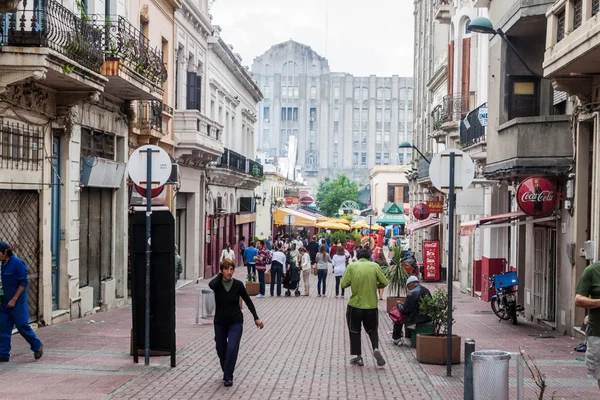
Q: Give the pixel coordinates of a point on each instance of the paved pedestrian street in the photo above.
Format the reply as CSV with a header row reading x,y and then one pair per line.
x,y
302,353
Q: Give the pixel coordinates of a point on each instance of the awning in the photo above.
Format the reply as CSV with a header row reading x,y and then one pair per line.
x,y
428,223
514,218
300,218
391,219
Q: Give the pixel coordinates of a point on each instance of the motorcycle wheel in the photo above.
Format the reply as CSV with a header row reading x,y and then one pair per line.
x,y
512,309
499,310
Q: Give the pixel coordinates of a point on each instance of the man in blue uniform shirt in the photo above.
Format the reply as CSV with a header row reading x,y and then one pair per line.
x,y
14,310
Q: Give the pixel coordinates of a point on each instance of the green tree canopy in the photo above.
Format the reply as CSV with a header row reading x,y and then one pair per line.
x,y
332,193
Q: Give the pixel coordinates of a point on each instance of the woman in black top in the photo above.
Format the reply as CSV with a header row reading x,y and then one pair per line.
x,y
229,320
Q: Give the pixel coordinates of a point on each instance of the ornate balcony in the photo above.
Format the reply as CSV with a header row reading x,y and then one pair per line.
x,y
198,139
233,169
135,70
148,122
472,132
45,40
442,11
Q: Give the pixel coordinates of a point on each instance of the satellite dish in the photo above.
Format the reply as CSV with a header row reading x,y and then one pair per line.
x,y
161,166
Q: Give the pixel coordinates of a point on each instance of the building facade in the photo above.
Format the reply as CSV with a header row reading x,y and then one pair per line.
x,y
215,113
572,44
73,107
521,136
344,124
389,184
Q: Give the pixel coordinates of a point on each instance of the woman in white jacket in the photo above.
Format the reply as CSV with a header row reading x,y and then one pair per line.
x,y
305,267
340,261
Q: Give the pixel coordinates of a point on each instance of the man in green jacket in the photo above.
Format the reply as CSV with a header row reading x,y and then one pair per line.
x,y
365,278
588,297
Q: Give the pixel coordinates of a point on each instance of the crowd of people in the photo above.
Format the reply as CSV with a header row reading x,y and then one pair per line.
x,y
285,257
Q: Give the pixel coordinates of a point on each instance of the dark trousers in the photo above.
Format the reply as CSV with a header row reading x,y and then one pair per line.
x,y
369,318
251,269
322,280
261,280
276,276
227,339
337,286
16,317
397,334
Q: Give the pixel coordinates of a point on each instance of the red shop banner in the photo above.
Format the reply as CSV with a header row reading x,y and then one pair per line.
x,y
537,196
431,261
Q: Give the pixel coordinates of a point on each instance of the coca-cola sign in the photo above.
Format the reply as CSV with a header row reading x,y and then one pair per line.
x,y
537,196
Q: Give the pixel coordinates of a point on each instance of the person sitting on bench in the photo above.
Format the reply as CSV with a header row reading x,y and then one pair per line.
x,y
410,308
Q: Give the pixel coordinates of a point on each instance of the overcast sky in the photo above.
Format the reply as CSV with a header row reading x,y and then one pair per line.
x,y
364,36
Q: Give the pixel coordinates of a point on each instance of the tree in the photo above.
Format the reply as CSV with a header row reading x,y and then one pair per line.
x,y
332,193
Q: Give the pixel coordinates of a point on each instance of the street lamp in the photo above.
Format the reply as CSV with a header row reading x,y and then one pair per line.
x,y
485,26
406,145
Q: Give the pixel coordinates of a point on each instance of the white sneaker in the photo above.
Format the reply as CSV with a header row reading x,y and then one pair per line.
x,y
260,296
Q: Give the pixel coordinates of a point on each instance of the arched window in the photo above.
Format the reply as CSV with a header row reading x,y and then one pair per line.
x,y
311,158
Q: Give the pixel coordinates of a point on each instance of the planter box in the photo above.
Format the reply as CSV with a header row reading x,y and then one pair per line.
x,y
253,288
268,278
432,349
393,301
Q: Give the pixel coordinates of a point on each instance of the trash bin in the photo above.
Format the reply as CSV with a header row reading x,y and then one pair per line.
x,y
490,374
208,304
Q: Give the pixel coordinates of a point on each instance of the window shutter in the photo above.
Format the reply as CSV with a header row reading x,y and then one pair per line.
x,y
198,92
191,90
466,75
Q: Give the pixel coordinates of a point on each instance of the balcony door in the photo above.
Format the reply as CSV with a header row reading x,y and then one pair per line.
x,y
465,76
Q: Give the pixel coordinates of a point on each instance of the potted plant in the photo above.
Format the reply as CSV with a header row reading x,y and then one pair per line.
x,y
432,348
396,276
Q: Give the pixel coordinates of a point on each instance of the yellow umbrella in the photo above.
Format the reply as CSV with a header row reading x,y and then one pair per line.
x,y
376,227
359,224
332,225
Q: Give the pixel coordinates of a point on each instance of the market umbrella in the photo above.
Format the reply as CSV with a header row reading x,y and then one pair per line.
x,y
333,226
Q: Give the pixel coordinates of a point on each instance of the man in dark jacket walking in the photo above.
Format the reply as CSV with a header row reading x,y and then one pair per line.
x,y
313,249
410,308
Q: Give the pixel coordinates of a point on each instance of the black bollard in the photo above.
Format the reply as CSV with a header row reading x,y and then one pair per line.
x,y
468,380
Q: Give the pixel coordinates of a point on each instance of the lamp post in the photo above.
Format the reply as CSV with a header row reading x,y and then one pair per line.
x,y
406,145
485,26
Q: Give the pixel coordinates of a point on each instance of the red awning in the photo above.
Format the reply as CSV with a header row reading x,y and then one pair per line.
x,y
468,228
422,224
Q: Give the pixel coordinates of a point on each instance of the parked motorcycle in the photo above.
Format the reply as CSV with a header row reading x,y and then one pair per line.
x,y
504,303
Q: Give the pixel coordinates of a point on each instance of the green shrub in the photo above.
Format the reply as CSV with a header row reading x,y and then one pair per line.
x,y
436,308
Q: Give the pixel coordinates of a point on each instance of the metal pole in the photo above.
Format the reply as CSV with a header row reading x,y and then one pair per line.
x,y
148,253
520,377
450,263
468,380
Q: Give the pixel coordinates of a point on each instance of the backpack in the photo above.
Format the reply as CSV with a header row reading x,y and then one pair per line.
x,y
395,315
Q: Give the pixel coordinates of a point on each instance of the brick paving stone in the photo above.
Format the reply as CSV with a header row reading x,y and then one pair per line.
x,y
301,354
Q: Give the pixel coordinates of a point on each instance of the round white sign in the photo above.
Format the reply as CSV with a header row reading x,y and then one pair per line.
x,y
439,170
161,166
289,219
371,220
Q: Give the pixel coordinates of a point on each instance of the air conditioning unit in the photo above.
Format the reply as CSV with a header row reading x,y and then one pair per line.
x,y
312,119
267,120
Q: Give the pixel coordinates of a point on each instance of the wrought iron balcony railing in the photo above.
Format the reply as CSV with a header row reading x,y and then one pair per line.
x,y
123,41
452,108
237,162
472,132
46,23
150,115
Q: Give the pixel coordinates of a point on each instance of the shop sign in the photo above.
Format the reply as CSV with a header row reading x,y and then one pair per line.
x,y
241,219
306,200
421,211
537,196
291,200
431,261
436,206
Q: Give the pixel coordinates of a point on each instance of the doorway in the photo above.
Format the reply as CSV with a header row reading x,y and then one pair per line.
x,y
95,240
544,274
